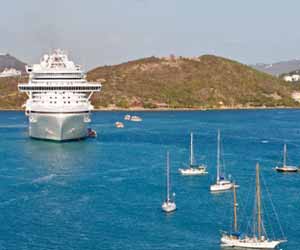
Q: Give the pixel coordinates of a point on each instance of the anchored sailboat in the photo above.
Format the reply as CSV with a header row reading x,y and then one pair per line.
x,y
221,183
259,239
193,169
284,167
169,204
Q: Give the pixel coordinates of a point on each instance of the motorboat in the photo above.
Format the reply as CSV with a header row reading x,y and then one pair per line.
x,y
127,117
135,118
119,125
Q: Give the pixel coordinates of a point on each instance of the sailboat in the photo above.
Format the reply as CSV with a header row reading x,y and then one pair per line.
x,y
169,204
284,167
193,169
257,241
221,183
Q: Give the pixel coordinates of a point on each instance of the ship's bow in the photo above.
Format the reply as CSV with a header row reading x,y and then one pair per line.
x,y
58,127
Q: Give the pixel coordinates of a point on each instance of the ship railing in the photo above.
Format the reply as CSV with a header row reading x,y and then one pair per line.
x,y
56,74
79,88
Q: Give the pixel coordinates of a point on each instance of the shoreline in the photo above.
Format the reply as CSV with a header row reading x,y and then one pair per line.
x,y
172,109
190,109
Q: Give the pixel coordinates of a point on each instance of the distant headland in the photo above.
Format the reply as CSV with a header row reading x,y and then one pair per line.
x,y
183,83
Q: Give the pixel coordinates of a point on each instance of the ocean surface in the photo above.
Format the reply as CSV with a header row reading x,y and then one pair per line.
x,y
106,193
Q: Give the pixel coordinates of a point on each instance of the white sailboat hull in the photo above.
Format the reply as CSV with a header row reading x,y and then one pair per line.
x,y
287,169
168,206
221,186
249,243
192,171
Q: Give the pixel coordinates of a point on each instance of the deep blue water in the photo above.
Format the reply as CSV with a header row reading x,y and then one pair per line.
x,y
106,193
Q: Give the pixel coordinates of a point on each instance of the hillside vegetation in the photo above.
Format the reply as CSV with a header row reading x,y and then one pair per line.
x,y
10,97
203,82
175,82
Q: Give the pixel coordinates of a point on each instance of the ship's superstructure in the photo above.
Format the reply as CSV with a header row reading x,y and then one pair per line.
x,y
59,105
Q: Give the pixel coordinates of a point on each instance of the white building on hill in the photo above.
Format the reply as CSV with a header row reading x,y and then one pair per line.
x,y
292,78
288,78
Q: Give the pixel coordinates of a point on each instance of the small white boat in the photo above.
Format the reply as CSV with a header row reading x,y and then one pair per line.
x,y
199,170
135,118
127,117
193,169
221,184
119,125
259,240
169,204
284,167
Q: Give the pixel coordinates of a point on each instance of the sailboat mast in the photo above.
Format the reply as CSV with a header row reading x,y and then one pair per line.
x,y
192,151
218,157
284,155
235,209
258,202
168,177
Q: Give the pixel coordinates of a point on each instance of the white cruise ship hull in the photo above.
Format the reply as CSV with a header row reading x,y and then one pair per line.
x,y
58,126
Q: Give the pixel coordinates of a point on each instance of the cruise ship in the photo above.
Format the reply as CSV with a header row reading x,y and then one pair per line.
x,y
58,105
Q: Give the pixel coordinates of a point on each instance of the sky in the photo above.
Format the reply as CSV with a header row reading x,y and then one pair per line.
x,y
105,32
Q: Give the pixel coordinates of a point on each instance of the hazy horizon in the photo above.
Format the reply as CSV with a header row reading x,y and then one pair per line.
x,y
99,32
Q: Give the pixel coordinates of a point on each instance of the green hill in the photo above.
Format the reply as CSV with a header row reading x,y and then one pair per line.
x,y
176,82
203,82
10,97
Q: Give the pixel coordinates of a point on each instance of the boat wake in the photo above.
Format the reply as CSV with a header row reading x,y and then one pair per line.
x,y
44,179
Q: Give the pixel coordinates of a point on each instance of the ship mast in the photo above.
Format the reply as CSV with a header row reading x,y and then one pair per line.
x,y
235,209
218,157
168,177
284,155
192,151
258,202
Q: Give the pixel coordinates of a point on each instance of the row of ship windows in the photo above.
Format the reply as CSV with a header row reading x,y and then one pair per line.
x,y
58,83
44,97
89,88
61,93
58,74
54,84
54,102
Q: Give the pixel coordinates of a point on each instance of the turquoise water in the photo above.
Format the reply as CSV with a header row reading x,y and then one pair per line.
x,y
106,193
